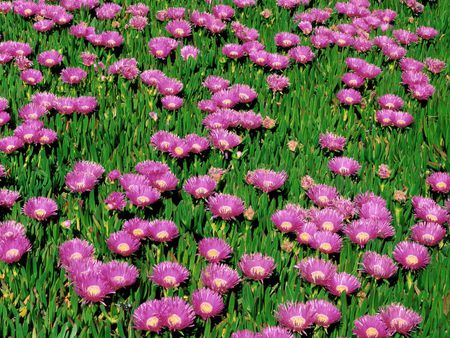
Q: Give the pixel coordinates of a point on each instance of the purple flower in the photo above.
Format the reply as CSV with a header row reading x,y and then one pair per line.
x,y
8,198
115,201
107,11
277,83
138,22
161,47
189,52
422,92
179,28
256,266
426,33
119,274
326,242
332,142
50,58
216,83
149,316
10,144
286,39
435,65
344,166
207,303
343,283
431,213
123,243
92,287
225,206
74,250
40,208
224,140
411,255
214,250
404,37
322,195
352,80
390,101
316,271
13,247
349,97
31,76
295,316
219,277
266,180
169,274
277,61
326,313
327,219
370,327
143,196
427,233
137,227
79,181
399,319
177,313
378,266
361,231
172,102
200,186
223,12
73,75
163,230
412,65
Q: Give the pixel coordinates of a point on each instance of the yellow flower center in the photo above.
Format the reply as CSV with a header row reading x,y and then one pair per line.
x,y
317,275
201,191
161,183
179,151
329,226
123,247
28,136
349,99
323,199
171,280
219,282
76,256
325,247
174,319
227,102
224,143
206,307
12,253
428,237
152,321
118,279
441,185
40,213
431,218
225,209
138,232
398,322
372,332
258,270
31,79
49,62
305,237
179,31
93,290
362,236
143,199
412,259
212,253
162,235
286,225
321,318
297,321
342,288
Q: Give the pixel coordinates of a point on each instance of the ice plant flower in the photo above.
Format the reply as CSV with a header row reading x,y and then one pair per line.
x,y
326,242
207,303
115,201
200,186
73,75
92,287
266,180
74,250
149,316
287,220
225,206
343,283
277,83
295,316
177,313
439,182
332,142
316,271
31,76
137,227
426,233
370,326
169,274
40,208
256,266
119,274
399,319
411,255
344,166
13,242
219,277
378,266
322,195
325,313
361,231
214,250
123,243
163,231
8,197
143,196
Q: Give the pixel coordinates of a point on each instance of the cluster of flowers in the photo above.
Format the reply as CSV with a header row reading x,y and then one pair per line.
x,y
168,87
390,115
291,4
391,319
32,129
84,176
417,82
178,147
94,280
13,242
127,241
127,68
17,51
138,14
362,70
107,39
306,19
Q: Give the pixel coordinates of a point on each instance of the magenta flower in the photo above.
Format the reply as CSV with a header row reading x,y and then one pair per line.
x,y
349,97
410,255
275,331
149,316
277,61
390,101
123,243
404,37
188,52
31,76
79,181
138,22
219,277
326,242
169,274
399,319
385,117
332,142
431,213
259,57
214,250
327,219
32,111
10,144
316,271
216,83
411,65
277,83
138,9
119,274
11,229
161,47
325,312
137,227
225,206
370,327
344,166
163,231
352,80
49,58
401,119
266,180
244,93
115,201
378,266
151,77
207,303
179,28
73,75
200,186
8,198
256,266
435,65
306,232
422,92
13,247
143,196
107,11
287,220
224,140
131,182
151,168
40,208
295,316
439,182
92,287
177,313
286,39
245,334
165,182
172,102
361,231
426,233
343,283
74,250
322,195
223,12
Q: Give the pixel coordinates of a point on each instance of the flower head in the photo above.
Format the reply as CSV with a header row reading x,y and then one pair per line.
x,y
214,250
123,243
411,255
207,303
295,316
370,326
219,277
399,319
316,271
163,230
169,274
119,274
378,266
149,316
256,266
225,206
325,312
40,208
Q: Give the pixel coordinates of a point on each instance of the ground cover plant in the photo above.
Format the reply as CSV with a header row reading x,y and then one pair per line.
x,y
236,168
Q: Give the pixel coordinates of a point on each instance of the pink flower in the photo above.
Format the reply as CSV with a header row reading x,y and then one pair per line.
x,y
123,243
177,313
316,271
92,287
266,180
295,316
399,319
427,233
149,316
188,52
224,140
326,242
325,312
390,101
143,196
286,39
163,230
349,97
322,195
435,65
31,76
352,80
50,58
225,206
13,247
219,277
332,142
378,266
207,303
411,255
343,283
137,227
119,274
115,201
74,250
169,274
361,231
200,186
214,250
179,28
439,182
8,197
73,75
344,166
256,266
370,327
40,208
277,83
